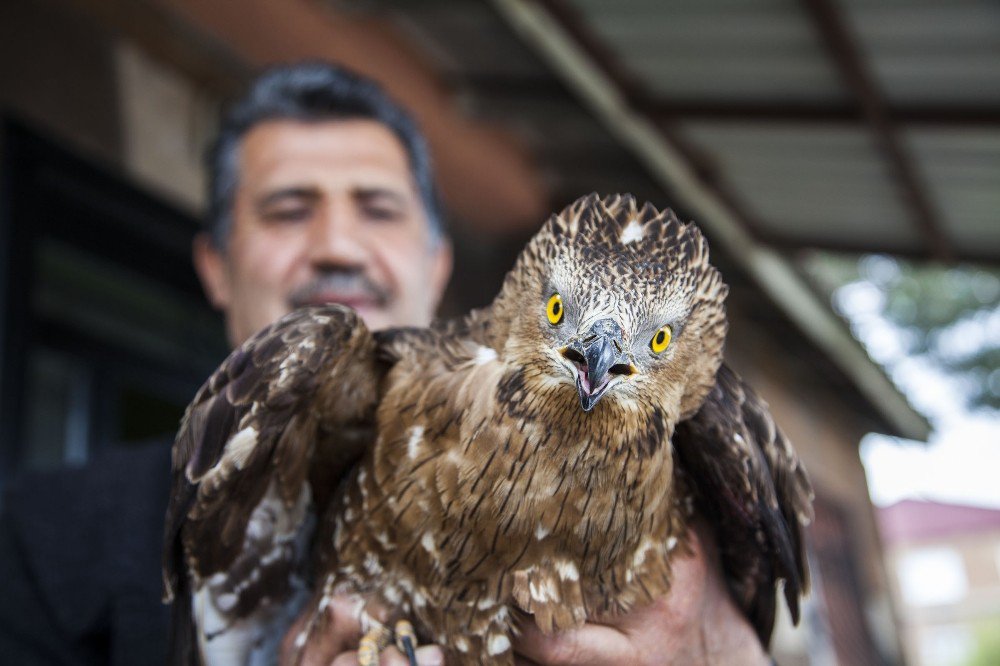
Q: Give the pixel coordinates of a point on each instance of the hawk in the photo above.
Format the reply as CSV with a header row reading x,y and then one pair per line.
x,y
537,460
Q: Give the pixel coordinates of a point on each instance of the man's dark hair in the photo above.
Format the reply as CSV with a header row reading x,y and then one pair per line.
x,y
310,91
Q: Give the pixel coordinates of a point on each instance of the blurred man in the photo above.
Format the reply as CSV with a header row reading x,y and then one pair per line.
x,y
321,191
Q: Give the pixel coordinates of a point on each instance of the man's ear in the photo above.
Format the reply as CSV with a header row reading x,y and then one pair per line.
x,y
211,268
441,270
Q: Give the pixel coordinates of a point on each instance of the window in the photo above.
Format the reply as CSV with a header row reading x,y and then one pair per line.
x,y
948,645
932,576
104,332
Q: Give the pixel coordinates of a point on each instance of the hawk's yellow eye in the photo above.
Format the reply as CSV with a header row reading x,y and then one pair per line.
x,y
554,309
661,339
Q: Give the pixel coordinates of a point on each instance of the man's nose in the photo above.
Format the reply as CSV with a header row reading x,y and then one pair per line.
x,y
337,237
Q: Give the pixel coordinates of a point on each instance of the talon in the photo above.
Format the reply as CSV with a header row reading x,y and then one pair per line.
x,y
406,641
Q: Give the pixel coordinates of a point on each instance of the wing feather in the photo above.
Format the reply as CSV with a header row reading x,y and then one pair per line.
x,y
750,484
271,430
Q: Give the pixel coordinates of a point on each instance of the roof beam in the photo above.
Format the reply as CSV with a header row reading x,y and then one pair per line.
x,y
798,243
589,79
545,88
809,113
853,70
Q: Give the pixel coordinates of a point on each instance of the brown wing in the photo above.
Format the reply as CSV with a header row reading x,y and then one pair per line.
x,y
751,486
263,445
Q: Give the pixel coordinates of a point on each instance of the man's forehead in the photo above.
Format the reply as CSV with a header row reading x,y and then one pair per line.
x,y
355,153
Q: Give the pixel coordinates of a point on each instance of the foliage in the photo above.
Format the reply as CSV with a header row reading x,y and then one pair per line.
x,y
987,651
949,315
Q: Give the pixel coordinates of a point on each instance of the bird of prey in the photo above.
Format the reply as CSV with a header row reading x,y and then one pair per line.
x,y
538,460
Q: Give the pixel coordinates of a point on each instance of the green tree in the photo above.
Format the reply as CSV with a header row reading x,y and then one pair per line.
x,y
948,314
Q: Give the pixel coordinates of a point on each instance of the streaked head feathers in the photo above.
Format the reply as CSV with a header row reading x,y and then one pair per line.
x,y
612,259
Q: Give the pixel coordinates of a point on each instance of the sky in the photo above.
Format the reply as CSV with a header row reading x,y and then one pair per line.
x,y
960,463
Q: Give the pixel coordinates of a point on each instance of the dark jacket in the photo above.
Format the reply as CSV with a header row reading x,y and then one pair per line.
x,y
80,562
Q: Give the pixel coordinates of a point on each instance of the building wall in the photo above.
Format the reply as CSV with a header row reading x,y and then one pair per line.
x,y
948,590
57,70
167,122
83,83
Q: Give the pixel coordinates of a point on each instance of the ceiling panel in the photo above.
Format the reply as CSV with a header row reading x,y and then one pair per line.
x,y
801,182
962,171
931,51
717,50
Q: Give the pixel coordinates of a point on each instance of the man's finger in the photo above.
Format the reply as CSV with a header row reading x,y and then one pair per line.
x,y
590,645
346,659
428,655
336,631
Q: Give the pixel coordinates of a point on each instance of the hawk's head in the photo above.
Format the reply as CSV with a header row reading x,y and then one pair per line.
x,y
618,305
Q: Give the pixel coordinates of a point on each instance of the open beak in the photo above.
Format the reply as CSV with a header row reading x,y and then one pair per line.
x,y
599,356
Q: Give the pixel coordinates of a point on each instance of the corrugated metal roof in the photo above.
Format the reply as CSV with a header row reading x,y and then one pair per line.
x,y
901,158
809,182
843,124
815,181
931,51
724,50
962,171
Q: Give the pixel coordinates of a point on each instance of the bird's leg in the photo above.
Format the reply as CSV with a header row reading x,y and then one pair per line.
x,y
406,641
372,644
378,637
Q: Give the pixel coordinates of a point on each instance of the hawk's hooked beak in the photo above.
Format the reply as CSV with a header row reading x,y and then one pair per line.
x,y
598,356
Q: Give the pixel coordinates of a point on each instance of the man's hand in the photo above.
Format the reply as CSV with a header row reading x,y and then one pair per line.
x,y
335,641
696,623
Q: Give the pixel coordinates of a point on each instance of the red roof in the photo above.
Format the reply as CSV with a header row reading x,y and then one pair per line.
x,y
918,520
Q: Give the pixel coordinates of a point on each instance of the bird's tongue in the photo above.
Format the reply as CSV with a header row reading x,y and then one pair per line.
x,y
585,381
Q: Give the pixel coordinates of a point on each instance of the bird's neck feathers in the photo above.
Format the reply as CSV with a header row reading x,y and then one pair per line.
x,y
621,427
611,467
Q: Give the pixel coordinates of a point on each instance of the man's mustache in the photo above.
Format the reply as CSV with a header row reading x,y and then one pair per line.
x,y
348,285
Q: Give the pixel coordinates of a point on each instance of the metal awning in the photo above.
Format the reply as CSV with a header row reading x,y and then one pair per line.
x,y
840,124
780,125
